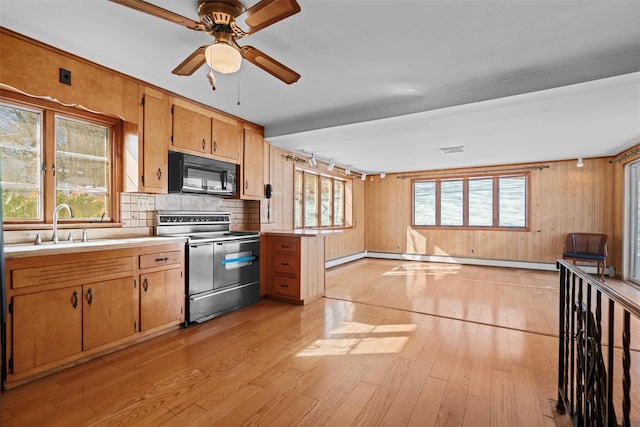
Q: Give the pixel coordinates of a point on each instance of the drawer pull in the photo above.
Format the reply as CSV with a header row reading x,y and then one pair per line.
x,y
282,285
162,259
89,296
145,284
286,264
284,246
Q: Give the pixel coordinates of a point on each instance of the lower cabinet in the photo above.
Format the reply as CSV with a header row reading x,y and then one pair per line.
x,y
51,325
161,298
294,269
67,307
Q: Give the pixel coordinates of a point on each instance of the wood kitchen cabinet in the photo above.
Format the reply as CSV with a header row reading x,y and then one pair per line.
x,y
191,130
226,134
64,307
294,269
51,325
252,182
162,290
155,135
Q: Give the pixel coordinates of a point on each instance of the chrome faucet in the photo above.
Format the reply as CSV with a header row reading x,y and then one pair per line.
x,y
54,238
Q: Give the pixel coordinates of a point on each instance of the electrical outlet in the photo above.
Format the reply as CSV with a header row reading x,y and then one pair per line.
x,y
65,76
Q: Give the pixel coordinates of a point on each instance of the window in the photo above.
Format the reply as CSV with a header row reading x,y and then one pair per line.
x,y
478,202
320,200
50,155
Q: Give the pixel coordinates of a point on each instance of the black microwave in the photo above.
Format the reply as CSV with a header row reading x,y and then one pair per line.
x,y
195,174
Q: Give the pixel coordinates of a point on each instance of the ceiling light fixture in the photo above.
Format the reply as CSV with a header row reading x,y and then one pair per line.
x,y
312,160
382,175
347,170
580,162
364,176
331,165
222,56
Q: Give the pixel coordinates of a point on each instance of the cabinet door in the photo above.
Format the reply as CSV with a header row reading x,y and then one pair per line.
x,y
252,166
47,326
227,140
155,138
161,298
109,311
191,130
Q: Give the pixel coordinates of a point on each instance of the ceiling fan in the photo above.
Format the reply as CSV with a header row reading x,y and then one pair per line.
x,y
218,19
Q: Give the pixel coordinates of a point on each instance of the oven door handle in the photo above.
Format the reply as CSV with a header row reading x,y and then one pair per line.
x,y
240,259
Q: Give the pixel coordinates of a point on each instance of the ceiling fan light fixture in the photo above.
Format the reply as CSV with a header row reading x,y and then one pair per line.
x,y
223,58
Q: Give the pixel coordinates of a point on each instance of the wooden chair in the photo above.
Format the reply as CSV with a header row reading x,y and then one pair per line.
x,y
587,247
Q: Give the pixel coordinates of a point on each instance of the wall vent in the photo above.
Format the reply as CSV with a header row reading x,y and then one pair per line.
x,y
452,150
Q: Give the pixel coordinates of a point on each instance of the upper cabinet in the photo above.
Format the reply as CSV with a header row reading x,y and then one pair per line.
x,y
199,131
155,135
252,187
191,130
226,134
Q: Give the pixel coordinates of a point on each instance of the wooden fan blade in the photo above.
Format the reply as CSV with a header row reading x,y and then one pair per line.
x,y
268,12
192,63
152,9
270,65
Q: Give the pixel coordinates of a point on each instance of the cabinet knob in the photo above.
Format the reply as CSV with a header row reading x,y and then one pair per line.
x,y
215,146
204,144
246,184
145,284
89,296
159,173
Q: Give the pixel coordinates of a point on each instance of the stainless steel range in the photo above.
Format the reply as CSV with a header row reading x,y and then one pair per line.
x,y
223,266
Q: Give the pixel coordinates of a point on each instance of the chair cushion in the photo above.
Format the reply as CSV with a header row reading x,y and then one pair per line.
x,y
584,255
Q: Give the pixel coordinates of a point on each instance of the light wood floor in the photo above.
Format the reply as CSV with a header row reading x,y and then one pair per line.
x,y
359,357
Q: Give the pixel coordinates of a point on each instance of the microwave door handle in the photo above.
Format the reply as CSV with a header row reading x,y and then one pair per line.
x,y
224,180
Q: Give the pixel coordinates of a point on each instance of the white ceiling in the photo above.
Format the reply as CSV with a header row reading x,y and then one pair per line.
x,y
386,83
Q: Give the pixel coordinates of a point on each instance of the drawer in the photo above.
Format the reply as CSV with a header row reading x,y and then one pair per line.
x,y
72,273
161,258
286,286
287,264
285,244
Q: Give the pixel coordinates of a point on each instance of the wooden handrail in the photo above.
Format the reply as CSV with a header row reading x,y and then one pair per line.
x,y
585,375
625,302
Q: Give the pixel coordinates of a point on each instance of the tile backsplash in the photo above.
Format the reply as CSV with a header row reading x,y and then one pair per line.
x,y
138,209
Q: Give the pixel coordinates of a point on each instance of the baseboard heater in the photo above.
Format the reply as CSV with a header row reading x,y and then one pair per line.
x,y
529,265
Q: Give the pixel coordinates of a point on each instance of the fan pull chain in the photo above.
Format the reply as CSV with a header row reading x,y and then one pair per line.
x,y
238,88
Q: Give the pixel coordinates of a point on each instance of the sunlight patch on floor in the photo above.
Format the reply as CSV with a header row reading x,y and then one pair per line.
x,y
361,338
414,269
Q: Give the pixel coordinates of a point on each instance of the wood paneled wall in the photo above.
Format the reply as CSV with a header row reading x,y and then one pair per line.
x,y
563,199
33,68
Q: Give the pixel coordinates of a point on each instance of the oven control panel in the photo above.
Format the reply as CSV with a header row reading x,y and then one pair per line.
x,y
201,218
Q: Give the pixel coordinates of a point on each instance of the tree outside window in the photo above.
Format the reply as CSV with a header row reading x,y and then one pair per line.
x,y
320,200
49,157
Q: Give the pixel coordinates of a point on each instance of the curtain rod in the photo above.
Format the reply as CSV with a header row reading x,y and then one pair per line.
x,y
432,174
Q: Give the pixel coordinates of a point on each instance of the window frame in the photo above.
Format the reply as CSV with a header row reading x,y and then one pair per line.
x,y
318,208
49,110
465,210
